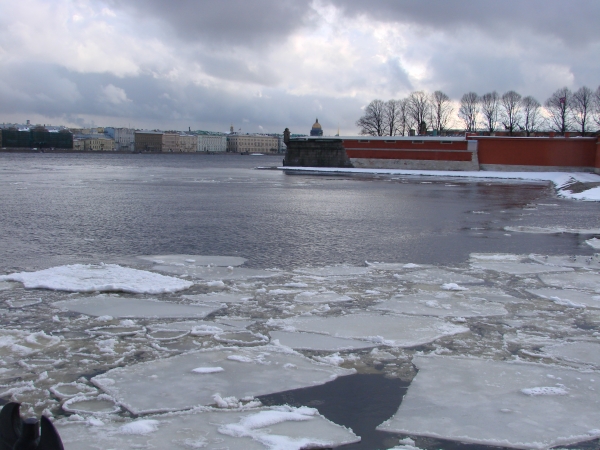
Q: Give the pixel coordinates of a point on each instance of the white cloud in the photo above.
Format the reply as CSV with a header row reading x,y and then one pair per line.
x,y
114,95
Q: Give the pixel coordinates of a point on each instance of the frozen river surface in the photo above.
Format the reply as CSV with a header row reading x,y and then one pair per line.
x,y
186,301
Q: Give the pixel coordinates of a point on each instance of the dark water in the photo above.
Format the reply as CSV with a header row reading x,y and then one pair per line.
x,y
58,209
102,207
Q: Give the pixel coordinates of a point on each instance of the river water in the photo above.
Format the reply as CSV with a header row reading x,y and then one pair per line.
x,y
59,209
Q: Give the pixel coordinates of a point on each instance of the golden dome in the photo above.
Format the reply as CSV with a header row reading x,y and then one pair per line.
x,y
317,124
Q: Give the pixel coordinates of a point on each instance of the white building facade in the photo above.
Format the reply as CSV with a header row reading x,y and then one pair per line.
x,y
212,143
124,138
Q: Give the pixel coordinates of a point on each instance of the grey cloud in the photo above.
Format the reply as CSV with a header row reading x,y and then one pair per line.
x,y
574,22
158,103
224,22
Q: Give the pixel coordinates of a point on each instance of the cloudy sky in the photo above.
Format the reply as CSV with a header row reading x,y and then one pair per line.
x,y
263,65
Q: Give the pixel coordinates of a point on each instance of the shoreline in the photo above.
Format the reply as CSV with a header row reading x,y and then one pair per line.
x,y
573,185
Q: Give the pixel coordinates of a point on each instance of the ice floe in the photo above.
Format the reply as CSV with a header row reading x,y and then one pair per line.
x,y
195,260
515,268
104,305
276,428
312,341
221,297
99,278
437,276
391,330
582,352
321,297
587,262
568,297
333,271
215,272
442,305
594,243
551,230
169,384
588,280
506,404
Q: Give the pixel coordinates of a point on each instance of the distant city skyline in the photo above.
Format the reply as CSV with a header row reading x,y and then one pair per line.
x,y
270,64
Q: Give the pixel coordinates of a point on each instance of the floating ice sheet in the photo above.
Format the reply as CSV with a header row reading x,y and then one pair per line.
x,y
594,243
503,257
552,230
103,305
588,262
498,403
587,280
312,341
216,273
395,266
568,297
393,330
248,372
580,352
321,297
218,298
448,305
333,271
98,278
18,343
195,260
437,276
516,268
267,428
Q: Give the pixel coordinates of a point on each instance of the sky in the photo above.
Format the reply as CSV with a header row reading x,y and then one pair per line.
x,y
264,65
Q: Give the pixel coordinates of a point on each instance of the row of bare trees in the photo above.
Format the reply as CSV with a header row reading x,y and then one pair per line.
x,y
563,111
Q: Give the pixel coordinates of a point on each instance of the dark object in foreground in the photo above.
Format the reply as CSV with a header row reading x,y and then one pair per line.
x,y
24,434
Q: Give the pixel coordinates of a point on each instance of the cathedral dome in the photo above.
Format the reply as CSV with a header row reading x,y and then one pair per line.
x,y
316,129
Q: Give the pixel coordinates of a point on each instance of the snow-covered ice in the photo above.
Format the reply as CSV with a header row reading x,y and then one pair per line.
x,y
594,243
498,403
384,329
442,305
276,428
99,278
104,305
170,384
221,297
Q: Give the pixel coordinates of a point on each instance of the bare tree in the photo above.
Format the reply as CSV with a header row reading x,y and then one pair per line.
x,y
511,110
558,110
391,117
532,117
418,108
596,109
373,120
403,119
441,111
581,107
489,109
469,110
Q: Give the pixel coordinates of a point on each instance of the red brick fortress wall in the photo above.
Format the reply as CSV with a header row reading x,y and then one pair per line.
x,y
545,153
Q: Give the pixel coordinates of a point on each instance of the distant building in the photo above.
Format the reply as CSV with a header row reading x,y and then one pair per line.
x,y
316,129
148,141
36,137
98,144
188,143
211,143
252,143
124,138
170,142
